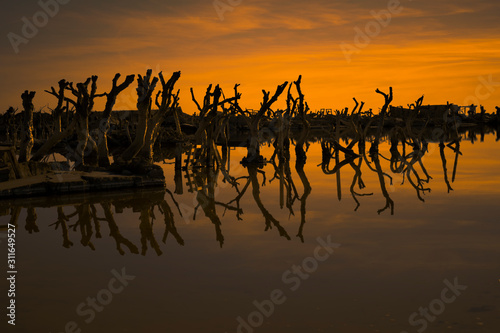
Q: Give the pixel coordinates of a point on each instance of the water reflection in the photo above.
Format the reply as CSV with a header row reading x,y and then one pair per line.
x,y
398,158
80,217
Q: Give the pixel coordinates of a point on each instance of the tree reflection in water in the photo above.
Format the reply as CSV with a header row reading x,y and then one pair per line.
x,y
407,150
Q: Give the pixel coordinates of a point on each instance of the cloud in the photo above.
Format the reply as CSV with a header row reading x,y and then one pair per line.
x,y
259,43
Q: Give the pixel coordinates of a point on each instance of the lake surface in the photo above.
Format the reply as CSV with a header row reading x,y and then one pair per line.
x,y
319,263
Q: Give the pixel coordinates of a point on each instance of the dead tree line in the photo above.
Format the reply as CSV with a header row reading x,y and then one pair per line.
x,y
215,113
91,146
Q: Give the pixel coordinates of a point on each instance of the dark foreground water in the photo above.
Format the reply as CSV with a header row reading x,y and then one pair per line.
x,y
129,262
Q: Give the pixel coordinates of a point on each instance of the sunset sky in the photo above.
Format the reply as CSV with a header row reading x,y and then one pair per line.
x,y
447,50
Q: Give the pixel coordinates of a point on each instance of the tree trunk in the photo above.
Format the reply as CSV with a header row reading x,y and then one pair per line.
x,y
175,111
27,140
167,105
52,141
145,89
254,143
58,111
149,140
139,139
253,150
82,134
103,152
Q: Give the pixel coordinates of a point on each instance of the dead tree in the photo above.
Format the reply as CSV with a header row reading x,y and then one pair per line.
x,y
58,133
209,110
168,105
169,102
360,110
383,112
27,140
282,143
206,134
302,109
103,153
58,111
253,155
145,89
83,104
9,120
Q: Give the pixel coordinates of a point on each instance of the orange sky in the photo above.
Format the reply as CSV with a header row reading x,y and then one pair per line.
x,y
447,50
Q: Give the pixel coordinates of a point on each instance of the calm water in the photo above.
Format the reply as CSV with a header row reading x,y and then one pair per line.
x,y
430,266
